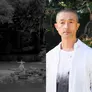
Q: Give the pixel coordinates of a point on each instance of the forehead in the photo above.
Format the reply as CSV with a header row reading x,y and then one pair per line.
x,y
66,16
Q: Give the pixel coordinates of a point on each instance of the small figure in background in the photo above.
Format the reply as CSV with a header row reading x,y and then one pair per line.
x,y
21,67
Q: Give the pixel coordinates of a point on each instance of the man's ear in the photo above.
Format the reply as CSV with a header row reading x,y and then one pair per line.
x,y
78,25
56,26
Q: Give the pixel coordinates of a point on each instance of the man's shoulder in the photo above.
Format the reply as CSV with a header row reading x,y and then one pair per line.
x,y
86,47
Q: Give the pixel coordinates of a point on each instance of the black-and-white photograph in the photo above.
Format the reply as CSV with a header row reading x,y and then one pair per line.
x,y
22,46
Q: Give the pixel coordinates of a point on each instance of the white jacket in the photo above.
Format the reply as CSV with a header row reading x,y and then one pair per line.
x,y
80,72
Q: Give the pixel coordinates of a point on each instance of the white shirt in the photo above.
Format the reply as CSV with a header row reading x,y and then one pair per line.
x,y
65,61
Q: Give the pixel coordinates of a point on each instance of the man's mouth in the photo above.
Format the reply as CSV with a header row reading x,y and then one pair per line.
x,y
66,32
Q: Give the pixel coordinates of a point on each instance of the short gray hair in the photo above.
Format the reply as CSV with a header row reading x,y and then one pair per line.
x,y
68,10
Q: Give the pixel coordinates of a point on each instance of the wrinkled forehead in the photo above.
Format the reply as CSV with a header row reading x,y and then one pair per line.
x,y
66,16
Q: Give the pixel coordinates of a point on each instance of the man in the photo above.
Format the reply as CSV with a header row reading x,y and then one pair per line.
x,y
69,64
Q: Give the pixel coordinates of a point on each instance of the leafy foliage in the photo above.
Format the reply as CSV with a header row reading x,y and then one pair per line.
x,y
28,14
6,12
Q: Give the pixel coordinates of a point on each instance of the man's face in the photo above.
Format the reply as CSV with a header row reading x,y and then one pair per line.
x,y
67,25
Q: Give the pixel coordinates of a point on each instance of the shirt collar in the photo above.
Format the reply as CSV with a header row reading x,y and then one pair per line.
x,y
76,45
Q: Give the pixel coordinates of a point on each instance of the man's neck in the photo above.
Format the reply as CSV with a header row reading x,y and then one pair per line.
x,y
68,44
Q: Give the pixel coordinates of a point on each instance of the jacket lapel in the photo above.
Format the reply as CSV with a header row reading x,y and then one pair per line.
x,y
77,71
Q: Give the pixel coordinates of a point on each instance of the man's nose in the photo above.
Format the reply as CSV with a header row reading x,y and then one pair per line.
x,y
66,25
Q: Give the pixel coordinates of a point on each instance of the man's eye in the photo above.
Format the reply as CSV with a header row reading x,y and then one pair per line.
x,y
71,21
62,23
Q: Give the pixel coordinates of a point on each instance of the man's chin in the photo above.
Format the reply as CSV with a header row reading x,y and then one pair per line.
x,y
66,36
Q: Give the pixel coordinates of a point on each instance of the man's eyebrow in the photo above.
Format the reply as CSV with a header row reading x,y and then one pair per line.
x,y
68,19
62,20
72,19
